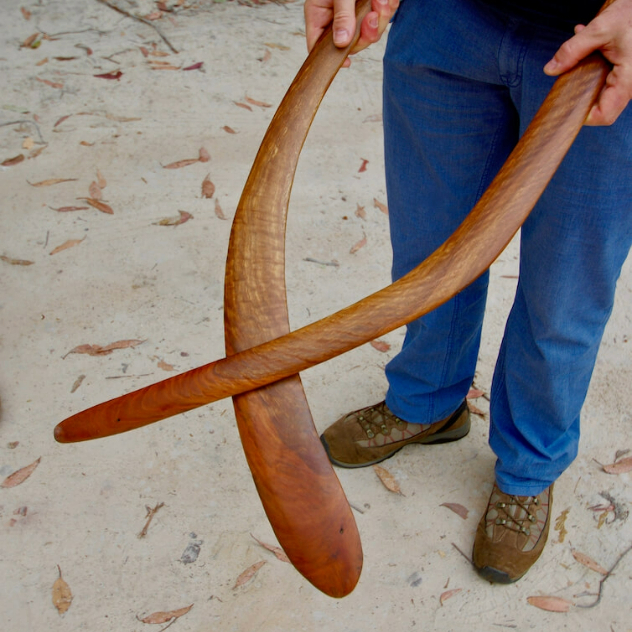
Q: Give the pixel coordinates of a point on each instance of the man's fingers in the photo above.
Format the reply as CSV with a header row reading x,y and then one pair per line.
x,y
344,22
572,51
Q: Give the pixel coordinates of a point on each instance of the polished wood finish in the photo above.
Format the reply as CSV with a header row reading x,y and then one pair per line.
x,y
289,466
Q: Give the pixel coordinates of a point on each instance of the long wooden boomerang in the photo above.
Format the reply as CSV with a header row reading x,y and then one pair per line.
x,y
283,451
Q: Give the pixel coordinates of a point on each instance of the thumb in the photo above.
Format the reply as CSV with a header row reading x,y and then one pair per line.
x,y
344,23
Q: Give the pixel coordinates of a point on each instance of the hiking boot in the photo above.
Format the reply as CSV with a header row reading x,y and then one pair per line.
x,y
370,435
511,535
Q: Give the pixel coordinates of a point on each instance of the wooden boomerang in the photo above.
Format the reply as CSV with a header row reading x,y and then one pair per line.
x,y
299,490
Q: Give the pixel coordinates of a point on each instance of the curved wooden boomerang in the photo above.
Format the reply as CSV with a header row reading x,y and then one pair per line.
x,y
288,463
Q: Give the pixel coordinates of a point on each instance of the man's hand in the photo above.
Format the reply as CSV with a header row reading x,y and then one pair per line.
x,y
319,14
611,34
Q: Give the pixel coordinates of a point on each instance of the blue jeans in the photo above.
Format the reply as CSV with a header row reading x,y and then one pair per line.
x,y
461,83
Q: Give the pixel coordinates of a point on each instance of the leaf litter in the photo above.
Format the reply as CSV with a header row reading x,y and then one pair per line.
x,y
16,262
175,221
208,188
587,561
458,509
550,603
51,182
67,244
619,467
18,477
278,551
98,350
166,616
248,574
387,479
448,594
61,594
380,345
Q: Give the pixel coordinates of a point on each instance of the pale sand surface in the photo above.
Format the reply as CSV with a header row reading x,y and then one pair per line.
x,y
85,504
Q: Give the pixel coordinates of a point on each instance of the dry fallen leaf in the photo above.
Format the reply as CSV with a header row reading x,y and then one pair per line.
x,y
362,168
28,143
388,480
100,206
360,212
582,558
358,245
175,221
181,163
277,46
26,13
68,209
98,350
165,617
248,574
619,467
77,383
162,65
261,104
460,510
475,410
16,160
16,262
560,524
204,155
29,41
165,366
448,593
229,130
95,191
380,345
242,105
101,180
154,15
61,593
218,210
62,119
67,244
278,551
208,188
17,478
52,84
51,181
474,393
195,66
552,604
110,75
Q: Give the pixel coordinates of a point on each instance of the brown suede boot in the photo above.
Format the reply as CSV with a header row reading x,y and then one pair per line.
x,y
370,435
511,535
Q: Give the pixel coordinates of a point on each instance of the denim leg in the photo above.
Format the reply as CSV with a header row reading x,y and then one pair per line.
x,y
449,125
573,246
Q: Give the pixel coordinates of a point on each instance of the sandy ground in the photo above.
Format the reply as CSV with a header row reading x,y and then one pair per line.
x,y
125,276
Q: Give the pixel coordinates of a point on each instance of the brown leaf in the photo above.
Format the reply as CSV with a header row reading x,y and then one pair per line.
x,y
52,84
37,151
26,13
181,163
358,245
448,593
360,212
196,66
277,46
16,160
242,105
560,524
388,480
98,350
41,62
77,383
144,51
460,510
380,345
29,41
204,155
67,244
278,551
474,393
156,65
16,262
68,209
110,75
62,119
229,130
373,118
95,191
154,15
266,55
261,104
248,574
362,168
475,410
208,188
582,558
100,206
552,604
175,221
218,210
28,143
61,593
165,617
85,143
619,467
102,182
165,366
21,475
51,181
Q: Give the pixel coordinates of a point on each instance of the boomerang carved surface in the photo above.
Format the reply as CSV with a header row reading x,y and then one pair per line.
x,y
282,448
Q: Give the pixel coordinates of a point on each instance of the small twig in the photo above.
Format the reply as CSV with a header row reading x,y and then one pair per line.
x,y
356,508
150,516
143,20
27,122
463,554
322,263
601,583
170,623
